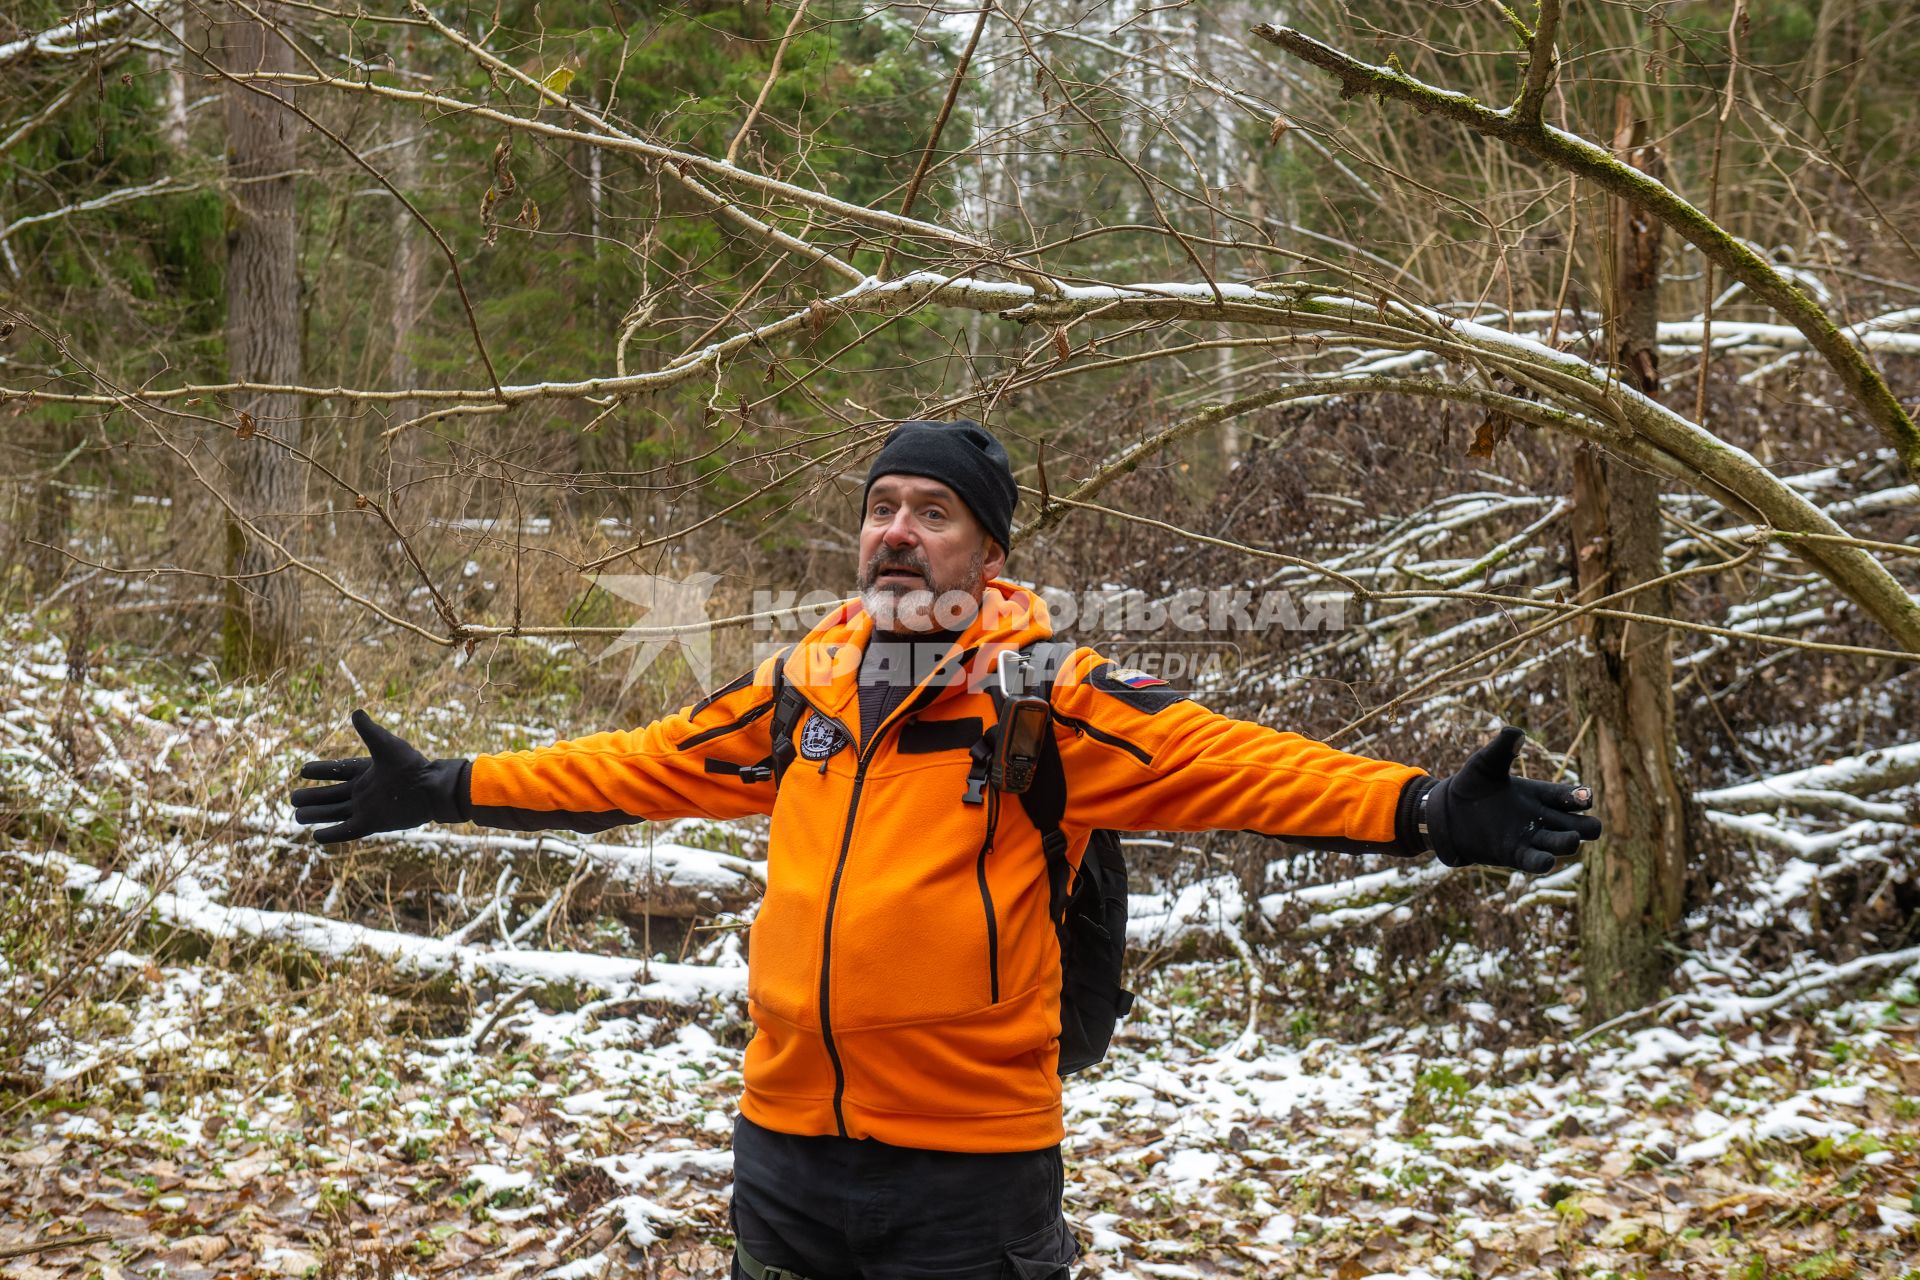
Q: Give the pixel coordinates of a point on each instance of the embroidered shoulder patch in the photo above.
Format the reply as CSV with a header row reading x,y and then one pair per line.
x,y
1138,689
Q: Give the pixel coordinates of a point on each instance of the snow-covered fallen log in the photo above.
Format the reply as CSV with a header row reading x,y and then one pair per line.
x,y
1716,1009
189,909
663,878
1852,777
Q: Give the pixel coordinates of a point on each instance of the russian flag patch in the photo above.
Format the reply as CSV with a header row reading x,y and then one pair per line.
x,y
1133,678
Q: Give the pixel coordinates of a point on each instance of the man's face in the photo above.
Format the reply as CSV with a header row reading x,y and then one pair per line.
x,y
924,558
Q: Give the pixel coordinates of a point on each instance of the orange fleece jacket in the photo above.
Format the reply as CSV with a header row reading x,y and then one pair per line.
x,y
904,977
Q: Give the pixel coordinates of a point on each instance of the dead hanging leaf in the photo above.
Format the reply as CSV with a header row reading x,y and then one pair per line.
x,y
818,317
502,158
1062,347
360,502
529,215
246,427
1489,434
487,202
1278,129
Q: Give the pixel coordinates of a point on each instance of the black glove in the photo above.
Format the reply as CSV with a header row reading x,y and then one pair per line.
x,y
1484,816
396,789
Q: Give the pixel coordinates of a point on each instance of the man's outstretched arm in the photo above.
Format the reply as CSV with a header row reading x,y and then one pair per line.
x,y
699,762
1140,756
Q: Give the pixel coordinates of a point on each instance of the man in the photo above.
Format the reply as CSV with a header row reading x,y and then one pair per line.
x,y
902,1110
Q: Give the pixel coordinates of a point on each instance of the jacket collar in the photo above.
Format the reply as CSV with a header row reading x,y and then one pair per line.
x,y
825,666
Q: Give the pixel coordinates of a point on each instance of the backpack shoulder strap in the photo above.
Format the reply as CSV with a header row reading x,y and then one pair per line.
x,y
788,706
1046,799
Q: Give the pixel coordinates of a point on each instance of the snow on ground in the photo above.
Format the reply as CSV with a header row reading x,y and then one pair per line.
x,y
281,1138
275,1092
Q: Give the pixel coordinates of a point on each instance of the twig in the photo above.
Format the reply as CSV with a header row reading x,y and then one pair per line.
x,y
766,86
954,82
56,1242
1713,208
512,1001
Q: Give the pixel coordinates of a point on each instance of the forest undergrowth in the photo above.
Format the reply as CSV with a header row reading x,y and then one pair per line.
x,y
231,1054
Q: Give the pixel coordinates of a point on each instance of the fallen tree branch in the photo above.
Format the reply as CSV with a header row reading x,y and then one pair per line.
x,y
1858,775
187,909
52,1243
671,880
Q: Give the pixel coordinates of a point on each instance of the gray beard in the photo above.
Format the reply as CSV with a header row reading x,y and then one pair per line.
x,y
912,612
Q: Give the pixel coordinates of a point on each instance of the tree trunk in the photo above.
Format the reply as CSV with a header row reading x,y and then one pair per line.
x,y
405,450
1621,680
263,345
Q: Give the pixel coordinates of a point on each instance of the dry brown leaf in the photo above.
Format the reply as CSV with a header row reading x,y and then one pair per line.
x,y
1601,1207
248,1167
1487,436
200,1248
293,1262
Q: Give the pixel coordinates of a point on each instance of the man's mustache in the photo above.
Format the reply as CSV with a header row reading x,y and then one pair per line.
x,y
894,562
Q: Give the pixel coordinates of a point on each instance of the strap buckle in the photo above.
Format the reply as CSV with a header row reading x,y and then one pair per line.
x,y
758,1270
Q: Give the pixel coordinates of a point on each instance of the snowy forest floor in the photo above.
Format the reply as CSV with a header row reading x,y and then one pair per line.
x,y
225,1053
236,1125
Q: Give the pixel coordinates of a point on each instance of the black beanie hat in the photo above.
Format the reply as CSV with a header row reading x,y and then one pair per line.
x,y
962,455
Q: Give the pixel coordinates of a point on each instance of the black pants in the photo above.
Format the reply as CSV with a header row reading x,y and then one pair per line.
x,y
844,1209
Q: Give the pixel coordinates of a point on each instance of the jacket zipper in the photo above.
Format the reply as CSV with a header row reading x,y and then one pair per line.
x,y
986,896
1101,735
900,713
826,949
708,735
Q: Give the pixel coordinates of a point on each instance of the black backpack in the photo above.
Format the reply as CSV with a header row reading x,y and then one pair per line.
x,y
1089,910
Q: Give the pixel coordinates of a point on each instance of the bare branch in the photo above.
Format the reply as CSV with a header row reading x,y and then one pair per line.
x,y
607,136
766,86
1543,62
954,82
107,201
51,42
286,102
1577,155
